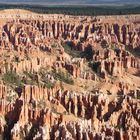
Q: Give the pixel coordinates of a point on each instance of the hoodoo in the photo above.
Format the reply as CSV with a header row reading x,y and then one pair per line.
x,y
69,77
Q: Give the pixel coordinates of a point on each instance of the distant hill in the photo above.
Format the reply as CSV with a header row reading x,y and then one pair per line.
x,y
72,1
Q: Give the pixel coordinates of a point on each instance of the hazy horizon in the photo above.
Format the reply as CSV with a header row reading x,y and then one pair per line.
x,y
71,1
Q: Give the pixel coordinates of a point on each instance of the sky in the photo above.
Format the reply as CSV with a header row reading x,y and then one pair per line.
x,y
72,1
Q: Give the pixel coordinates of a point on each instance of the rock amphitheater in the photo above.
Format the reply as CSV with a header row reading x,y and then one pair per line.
x,y
69,77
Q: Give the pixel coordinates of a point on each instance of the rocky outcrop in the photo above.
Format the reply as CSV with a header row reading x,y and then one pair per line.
x,y
67,77
98,114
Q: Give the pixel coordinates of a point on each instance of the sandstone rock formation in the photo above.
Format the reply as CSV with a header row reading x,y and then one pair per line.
x,y
69,77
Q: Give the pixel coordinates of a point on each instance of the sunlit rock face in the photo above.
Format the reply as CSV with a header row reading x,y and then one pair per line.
x,y
69,77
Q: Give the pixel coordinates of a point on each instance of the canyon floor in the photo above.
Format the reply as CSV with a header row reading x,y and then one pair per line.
x,y
68,77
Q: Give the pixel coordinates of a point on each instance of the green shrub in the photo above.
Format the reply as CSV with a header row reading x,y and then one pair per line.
x,y
11,78
29,74
119,126
94,66
48,84
43,72
135,52
69,50
30,78
64,77
88,53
